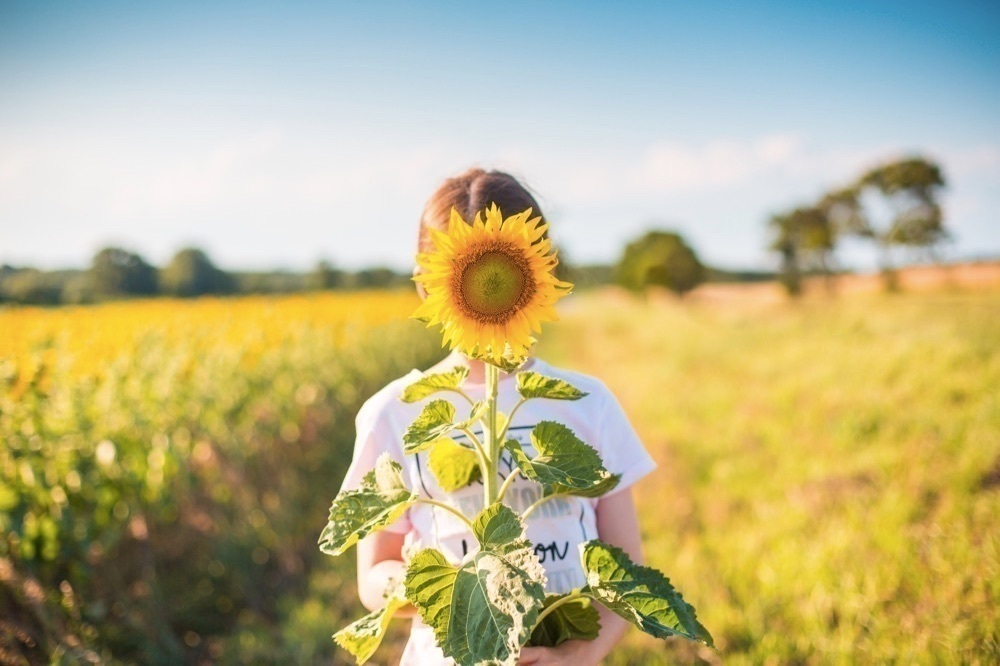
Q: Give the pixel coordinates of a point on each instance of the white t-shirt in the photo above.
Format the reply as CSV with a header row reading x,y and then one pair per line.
x,y
556,527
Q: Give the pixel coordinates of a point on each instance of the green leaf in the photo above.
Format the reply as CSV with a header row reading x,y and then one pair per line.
x,y
641,595
576,619
362,637
507,363
430,586
430,384
483,610
564,463
454,466
534,385
378,502
603,487
479,409
498,527
435,421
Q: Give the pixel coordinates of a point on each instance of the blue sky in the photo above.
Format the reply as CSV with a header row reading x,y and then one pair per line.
x,y
276,135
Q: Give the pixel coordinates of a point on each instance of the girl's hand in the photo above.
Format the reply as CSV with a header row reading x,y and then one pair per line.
x,y
570,653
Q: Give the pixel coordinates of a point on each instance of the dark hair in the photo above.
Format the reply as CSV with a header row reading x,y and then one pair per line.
x,y
471,192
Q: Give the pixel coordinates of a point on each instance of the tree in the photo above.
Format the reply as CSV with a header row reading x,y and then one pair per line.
x,y
660,258
77,289
378,278
785,242
30,285
192,273
844,211
806,239
325,276
118,272
910,189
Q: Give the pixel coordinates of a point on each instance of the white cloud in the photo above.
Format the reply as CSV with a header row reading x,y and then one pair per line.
x,y
718,163
227,171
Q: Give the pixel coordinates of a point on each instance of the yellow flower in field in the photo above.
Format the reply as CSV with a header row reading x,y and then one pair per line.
x,y
490,284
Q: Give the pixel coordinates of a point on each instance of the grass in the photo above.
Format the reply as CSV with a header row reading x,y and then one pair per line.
x,y
828,489
829,480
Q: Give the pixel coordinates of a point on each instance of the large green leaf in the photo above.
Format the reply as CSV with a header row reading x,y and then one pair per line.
x,y
430,586
534,385
431,384
641,595
483,610
362,637
381,498
576,619
454,466
563,461
435,421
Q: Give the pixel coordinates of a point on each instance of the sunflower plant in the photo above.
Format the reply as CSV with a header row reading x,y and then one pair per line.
x,y
490,285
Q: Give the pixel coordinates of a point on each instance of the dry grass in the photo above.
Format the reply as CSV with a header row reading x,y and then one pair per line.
x,y
826,490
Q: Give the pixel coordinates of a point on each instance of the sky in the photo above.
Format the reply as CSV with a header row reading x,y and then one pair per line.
x,y
277,135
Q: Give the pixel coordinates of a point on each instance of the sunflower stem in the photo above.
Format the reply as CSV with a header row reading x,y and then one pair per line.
x,y
480,453
476,444
458,514
510,419
572,596
464,395
490,487
538,503
507,482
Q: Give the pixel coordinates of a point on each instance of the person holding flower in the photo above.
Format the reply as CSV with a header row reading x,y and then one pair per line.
x,y
490,287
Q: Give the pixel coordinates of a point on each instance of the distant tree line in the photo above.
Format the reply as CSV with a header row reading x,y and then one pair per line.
x,y
895,204
116,273
660,258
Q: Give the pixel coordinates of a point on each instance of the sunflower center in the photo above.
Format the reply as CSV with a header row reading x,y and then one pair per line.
x,y
495,283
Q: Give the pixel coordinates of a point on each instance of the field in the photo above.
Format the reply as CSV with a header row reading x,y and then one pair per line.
x,y
168,466
829,487
828,490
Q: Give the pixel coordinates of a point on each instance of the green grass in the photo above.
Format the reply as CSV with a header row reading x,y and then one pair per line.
x,y
829,480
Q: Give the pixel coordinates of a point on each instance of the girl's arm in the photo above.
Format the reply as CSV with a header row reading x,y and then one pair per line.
x,y
618,525
380,566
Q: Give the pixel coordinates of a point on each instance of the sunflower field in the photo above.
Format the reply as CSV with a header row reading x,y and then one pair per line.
x,y
828,486
167,466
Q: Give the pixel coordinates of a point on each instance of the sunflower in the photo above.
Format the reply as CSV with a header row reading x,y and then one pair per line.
x,y
490,284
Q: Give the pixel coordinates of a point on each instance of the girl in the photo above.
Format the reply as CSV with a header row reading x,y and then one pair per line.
x,y
558,526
